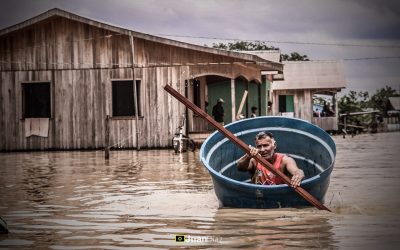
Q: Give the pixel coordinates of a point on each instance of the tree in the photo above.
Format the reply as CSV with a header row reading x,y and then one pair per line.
x,y
319,100
354,102
380,100
251,46
244,46
294,57
360,101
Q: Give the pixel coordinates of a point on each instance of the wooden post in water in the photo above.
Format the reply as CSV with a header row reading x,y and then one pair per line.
x,y
135,93
107,139
301,191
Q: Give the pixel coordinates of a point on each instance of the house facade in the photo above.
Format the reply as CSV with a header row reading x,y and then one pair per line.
x,y
69,82
303,89
304,83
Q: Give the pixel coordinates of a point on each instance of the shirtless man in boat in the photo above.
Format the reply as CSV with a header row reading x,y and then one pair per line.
x,y
265,146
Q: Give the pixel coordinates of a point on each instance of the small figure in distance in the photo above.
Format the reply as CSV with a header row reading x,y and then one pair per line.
x,y
254,111
218,111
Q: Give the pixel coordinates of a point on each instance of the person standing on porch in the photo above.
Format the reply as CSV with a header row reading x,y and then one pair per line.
x,y
218,111
254,111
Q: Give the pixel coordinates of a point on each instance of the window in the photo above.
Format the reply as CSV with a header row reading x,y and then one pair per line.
x,y
123,103
36,100
286,103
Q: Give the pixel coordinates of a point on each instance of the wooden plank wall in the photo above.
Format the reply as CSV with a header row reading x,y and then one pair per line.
x,y
302,103
303,108
12,126
150,54
326,123
60,43
82,99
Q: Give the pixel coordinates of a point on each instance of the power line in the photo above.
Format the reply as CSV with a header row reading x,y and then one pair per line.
x,y
287,42
371,58
68,43
149,65
71,42
108,36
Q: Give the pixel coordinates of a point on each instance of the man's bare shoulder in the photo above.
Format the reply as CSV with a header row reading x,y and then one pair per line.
x,y
286,158
287,161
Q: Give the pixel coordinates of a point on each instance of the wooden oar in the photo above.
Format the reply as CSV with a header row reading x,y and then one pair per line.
x,y
244,146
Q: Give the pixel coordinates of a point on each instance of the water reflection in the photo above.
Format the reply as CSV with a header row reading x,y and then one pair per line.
x,y
273,228
78,200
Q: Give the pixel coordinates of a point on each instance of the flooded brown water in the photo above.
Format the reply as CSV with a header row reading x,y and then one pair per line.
x,y
78,200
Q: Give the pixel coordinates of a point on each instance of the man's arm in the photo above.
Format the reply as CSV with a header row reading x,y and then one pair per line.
x,y
246,162
243,163
297,173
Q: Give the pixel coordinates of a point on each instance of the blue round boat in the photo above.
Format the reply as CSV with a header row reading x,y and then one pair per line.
x,y
312,148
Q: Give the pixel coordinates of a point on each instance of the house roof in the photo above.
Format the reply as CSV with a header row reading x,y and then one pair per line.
x,y
311,75
250,59
395,101
270,55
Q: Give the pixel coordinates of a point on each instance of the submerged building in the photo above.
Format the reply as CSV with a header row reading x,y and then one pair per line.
x,y
70,82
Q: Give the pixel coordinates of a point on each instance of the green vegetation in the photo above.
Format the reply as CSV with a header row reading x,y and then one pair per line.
x,y
360,101
294,57
252,46
244,46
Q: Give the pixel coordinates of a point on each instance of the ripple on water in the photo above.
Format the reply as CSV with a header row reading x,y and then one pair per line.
x,y
77,200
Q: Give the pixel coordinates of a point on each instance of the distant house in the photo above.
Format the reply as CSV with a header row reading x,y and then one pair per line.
x,y
393,119
395,103
303,80
62,75
293,93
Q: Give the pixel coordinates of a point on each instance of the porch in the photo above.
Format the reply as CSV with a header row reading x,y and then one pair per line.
x,y
204,91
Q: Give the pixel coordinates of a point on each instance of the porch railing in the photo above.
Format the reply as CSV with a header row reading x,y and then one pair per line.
x,y
326,123
199,125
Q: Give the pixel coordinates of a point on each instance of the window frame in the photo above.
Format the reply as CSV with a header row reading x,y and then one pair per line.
x,y
196,92
138,96
286,102
23,99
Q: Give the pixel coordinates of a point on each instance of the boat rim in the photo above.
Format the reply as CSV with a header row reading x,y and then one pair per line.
x,y
251,185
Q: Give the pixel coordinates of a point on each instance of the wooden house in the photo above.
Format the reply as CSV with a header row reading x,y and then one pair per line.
x,y
62,75
393,119
294,92
303,82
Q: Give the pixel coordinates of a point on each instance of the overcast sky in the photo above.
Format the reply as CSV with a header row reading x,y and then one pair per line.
x,y
292,25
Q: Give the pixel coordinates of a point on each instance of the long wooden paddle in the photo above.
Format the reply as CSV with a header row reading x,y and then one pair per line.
x,y
244,146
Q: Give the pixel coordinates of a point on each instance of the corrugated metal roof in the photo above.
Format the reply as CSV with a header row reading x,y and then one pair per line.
x,y
395,101
311,75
